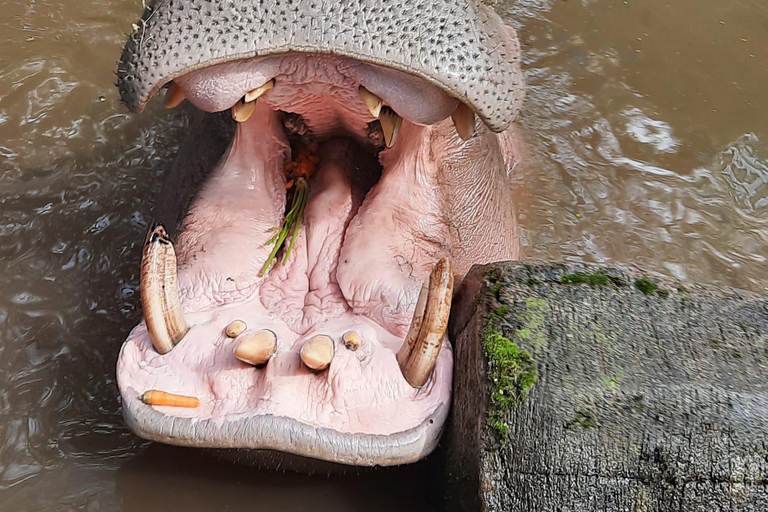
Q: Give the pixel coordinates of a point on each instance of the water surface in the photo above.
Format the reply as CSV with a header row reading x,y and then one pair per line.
x,y
647,133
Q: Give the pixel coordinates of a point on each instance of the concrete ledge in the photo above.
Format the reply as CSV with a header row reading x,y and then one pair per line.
x,y
623,391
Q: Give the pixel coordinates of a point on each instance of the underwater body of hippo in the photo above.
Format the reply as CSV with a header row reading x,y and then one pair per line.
x,y
407,191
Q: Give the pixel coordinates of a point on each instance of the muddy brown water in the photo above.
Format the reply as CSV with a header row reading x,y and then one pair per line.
x,y
647,131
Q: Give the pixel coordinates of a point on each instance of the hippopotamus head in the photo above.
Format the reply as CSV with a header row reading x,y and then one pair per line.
x,y
304,298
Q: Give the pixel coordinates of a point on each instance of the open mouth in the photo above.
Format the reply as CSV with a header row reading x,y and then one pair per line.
x,y
302,307
326,329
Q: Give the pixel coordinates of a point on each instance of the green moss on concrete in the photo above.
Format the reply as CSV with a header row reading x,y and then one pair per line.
x,y
533,333
512,371
593,279
646,286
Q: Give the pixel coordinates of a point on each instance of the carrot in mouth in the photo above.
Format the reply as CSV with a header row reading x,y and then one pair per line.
x,y
155,397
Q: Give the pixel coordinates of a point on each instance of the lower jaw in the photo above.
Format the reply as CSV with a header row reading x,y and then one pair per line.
x,y
359,411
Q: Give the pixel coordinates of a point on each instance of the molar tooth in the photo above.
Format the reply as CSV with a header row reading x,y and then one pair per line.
x,y
464,121
427,346
259,91
318,352
373,102
173,96
256,348
159,291
236,328
390,125
351,340
241,111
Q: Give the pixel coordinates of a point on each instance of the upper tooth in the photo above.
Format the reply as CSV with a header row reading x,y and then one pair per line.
x,y
159,292
390,125
259,91
241,111
464,121
371,101
173,96
318,352
427,346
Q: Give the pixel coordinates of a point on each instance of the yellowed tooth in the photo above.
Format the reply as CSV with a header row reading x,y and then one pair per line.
x,y
427,346
236,328
390,125
371,101
242,111
464,121
413,332
318,352
259,91
173,96
351,340
160,302
256,348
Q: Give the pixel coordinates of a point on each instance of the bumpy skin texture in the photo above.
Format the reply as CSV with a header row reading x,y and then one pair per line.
x,y
458,45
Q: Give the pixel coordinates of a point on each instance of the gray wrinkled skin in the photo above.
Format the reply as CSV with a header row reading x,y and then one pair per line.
x,y
459,45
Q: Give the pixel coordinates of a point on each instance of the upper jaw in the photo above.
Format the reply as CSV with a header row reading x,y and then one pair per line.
x,y
463,48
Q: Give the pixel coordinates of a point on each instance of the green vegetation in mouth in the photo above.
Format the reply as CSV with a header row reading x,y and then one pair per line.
x,y
290,225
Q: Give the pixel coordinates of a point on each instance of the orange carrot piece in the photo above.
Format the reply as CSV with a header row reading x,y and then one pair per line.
x,y
155,397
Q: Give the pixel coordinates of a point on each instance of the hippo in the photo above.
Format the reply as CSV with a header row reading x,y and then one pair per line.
x,y
347,162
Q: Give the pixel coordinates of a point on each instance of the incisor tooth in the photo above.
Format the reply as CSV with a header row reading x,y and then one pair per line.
x,y
256,348
318,352
259,91
464,121
427,346
173,95
241,110
371,101
159,291
236,328
390,125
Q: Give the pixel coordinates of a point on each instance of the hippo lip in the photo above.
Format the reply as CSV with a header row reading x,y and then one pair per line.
x,y
461,47
372,232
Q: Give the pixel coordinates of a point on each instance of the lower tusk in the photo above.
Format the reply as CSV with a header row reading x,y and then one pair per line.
x,y
259,91
371,101
429,341
160,293
413,331
173,96
318,352
464,121
242,110
390,125
256,348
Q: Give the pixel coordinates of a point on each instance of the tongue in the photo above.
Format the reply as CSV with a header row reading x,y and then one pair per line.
x,y
305,291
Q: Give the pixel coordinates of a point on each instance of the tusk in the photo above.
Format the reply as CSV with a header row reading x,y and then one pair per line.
x,y
427,346
241,111
256,348
318,352
373,102
259,91
390,125
160,293
413,331
173,96
464,121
